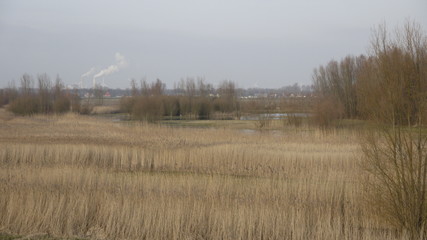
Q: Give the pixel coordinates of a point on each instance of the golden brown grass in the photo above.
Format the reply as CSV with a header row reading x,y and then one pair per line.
x,y
74,176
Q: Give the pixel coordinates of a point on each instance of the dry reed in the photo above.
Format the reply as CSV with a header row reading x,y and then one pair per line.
x,y
73,176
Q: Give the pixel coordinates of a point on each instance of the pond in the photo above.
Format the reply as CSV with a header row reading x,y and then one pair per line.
x,y
273,116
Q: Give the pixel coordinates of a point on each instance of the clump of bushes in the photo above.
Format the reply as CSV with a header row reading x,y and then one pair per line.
x,y
148,108
25,105
326,112
47,98
263,121
389,83
61,104
293,120
153,108
194,101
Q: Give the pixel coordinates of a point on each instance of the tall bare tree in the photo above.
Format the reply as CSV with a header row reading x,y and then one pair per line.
x,y
393,83
27,85
337,82
44,94
157,88
395,157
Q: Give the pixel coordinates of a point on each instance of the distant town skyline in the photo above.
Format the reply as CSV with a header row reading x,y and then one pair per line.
x,y
267,44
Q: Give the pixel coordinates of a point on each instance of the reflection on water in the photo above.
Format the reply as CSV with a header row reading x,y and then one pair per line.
x,y
248,131
114,117
273,116
253,131
254,117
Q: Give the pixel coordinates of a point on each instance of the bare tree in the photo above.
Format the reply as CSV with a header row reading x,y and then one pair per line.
x,y
337,81
227,91
27,84
61,102
98,93
202,87
395,157
133,88
44,94
392,82
396,162
157,88
190,91
145,88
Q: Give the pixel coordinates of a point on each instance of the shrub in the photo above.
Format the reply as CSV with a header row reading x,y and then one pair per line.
x,y
126,104
326,112
204,109
147,109
45,100
293,120
176,107
25,105
395,155
263,121
85,109
171,106
396,165
61,104
75,103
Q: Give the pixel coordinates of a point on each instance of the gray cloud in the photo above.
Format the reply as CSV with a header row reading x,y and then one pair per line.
x,y
269,43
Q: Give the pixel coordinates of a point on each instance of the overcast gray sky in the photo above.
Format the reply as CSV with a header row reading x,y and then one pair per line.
x,y
264,43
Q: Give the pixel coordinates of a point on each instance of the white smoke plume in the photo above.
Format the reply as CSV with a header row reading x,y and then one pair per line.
x,y
88,73
120,63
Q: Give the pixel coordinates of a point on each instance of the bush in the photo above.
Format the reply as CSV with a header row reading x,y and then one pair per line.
x,y
326,112
147,109
293,120
61,104
263,121
126,104
204,109
86,109
176,108
395,155
75,103
171,106
46,100
25,105
396,164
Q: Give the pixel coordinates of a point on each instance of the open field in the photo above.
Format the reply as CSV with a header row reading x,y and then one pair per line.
x,y
80,177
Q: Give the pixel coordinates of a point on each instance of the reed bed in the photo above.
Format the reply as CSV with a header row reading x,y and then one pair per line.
x,y
74,176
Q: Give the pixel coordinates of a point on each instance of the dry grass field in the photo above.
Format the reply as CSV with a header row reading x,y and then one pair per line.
x,y
78,177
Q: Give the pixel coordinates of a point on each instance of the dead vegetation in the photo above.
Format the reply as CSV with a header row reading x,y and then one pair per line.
x,y
74,176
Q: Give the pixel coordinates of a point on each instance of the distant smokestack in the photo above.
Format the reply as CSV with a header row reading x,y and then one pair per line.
x,y
120,63
86,74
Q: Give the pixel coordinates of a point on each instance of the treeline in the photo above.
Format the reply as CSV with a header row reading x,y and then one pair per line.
x,y
195,99
48,97
388,85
